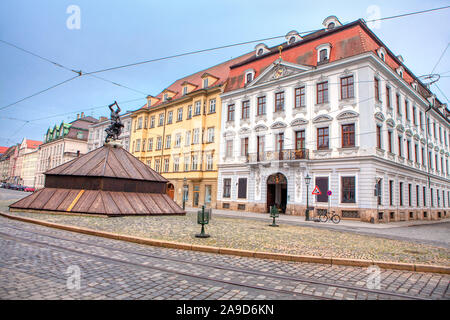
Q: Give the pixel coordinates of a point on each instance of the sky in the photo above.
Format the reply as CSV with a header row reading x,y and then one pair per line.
x,y
113,33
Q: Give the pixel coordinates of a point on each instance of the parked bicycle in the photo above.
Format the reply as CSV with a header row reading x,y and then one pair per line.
x,y
325,216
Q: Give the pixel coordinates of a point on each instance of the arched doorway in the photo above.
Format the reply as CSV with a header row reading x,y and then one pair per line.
x,y
277,192
170,190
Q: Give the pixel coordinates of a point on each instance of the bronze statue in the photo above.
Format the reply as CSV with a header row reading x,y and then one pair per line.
x,y
115,128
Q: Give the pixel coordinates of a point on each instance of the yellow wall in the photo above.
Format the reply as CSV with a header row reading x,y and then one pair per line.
x,y
203,121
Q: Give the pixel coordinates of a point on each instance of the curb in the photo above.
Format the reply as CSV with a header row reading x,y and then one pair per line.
x,y
238,252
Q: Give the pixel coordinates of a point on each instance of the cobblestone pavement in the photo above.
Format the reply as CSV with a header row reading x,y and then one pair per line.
x,y
35,261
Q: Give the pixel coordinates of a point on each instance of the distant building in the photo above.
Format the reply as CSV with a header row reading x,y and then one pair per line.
x,y
25,148
97,133
61,144
3,150
5,163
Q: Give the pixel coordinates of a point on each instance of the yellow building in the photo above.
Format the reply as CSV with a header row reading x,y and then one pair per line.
x,y
177,133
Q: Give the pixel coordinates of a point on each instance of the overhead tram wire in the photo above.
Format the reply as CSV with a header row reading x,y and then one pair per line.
x,y
79,74
248,42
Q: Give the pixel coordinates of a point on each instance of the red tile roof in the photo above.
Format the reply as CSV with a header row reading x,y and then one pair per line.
x,y
219,71
33,144
3,150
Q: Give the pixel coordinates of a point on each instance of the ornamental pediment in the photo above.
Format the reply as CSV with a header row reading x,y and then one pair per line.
x,y
442,151
347,115
409,133
322,118
278,125
278,70
390,123
298,122
228,134
416,137
379,116
244,130
436,149
261,128
400,128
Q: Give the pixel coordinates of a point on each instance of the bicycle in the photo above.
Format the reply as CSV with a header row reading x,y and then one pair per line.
x,y
324,217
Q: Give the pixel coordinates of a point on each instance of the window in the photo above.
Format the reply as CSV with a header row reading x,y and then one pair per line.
x,y
423,156
180,114
261,106
378,137
432,197
377,88
400,149
138,145
185,90
178,140
322,183
347,90
196,136
158,143
322,92
212,106
416,153
421,120
348,190
166,97
226,188
245,109
397,102
300,99
417,196
391,192
390,141
139,126
150,144
169,117
198,108
145,122
407,110
152,122
279,142
210,134
414,115
244,147
176,164
424,193
166,165
230,113
186,163
388,96
209,162
187,141
323,55
410,194
279,101
408,149
249,77
322,138
205,83
189,113
401,193
242,188
260,147
379,191
348,135
168,141
157,165
161,119
300,140
194,162
143,145
229,149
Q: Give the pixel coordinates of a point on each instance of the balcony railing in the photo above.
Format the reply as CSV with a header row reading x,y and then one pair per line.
x,y
283,155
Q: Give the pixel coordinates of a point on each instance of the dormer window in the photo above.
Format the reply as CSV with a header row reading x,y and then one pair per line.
x,y
261,49
205,83
414,85
166,97
185,90
382,53
323,53
292,37
249,75
400,71
331,22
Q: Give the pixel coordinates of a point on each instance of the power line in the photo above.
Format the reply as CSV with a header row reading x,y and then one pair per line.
x,y
442,55
246,42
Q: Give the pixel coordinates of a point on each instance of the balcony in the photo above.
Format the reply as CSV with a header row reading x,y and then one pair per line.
x,y
284,155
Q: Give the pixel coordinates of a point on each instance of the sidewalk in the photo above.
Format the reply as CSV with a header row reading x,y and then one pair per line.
x,y
297,220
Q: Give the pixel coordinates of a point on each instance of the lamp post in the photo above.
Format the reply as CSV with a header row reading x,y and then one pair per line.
x,y
185,187
307,181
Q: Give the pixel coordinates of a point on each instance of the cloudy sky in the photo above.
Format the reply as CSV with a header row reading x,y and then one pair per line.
x,y
116,33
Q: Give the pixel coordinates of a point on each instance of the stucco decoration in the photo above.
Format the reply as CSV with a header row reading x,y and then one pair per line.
x,y
379,116
322,118
347,115
298,122
278,125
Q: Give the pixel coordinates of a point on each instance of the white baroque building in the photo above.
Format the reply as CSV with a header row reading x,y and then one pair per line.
x,y
97,133
339,106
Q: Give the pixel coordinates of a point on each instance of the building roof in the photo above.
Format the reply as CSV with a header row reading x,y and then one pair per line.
x,y
219,71
108,162
3,150
33,144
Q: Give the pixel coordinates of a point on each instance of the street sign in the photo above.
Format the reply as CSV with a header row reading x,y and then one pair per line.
x,y
316,191
329,193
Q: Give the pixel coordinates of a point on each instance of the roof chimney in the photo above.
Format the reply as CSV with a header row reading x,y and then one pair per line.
x,y
78,116
82,115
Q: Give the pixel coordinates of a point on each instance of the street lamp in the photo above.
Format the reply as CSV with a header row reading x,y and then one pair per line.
x,y
307,181
185,188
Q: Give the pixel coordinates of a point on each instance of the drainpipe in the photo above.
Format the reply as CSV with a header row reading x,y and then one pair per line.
x,y
429,159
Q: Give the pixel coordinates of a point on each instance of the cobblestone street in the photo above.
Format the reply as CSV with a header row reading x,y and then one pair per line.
x,y
35,261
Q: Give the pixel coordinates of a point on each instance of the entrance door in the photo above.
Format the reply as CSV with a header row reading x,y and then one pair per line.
x,y
170,190
277,192
196,195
